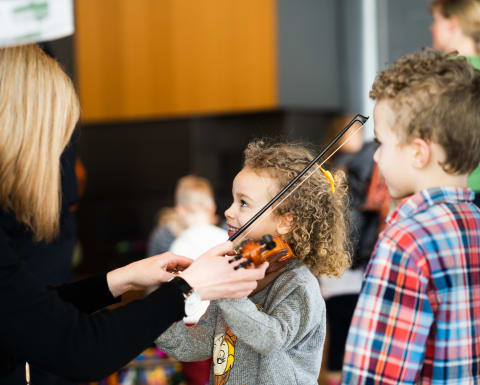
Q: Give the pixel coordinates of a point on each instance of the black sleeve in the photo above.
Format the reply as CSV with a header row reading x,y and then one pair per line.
x,y
88,295
39,327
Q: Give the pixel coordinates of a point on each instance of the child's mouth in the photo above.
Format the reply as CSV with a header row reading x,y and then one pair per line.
x,y
232,230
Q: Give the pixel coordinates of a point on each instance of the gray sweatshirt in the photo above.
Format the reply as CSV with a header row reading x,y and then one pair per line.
x,y
274,337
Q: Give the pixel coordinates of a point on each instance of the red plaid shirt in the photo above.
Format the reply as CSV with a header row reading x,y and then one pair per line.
x,y
417,319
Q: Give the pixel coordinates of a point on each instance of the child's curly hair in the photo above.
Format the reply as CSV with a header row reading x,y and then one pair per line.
x,y
319,237
435,97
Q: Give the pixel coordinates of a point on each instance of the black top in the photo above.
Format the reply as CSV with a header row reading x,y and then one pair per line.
x,y
51,263
51,328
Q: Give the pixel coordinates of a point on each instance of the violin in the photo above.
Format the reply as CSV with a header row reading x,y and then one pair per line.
x,y
274,250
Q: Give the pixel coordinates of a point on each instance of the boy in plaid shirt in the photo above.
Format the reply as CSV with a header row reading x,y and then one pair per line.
x,y
417,320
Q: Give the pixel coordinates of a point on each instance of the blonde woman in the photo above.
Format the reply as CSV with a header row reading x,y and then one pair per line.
x,y
52,328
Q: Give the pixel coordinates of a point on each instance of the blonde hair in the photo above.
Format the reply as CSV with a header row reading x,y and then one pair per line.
x,y
466,11
319,237
38,112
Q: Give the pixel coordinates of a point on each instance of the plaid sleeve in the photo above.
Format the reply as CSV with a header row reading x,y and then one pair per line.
x,y
387,337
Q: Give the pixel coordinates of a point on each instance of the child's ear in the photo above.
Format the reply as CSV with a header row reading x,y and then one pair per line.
x,y
421,152
454,24
285,223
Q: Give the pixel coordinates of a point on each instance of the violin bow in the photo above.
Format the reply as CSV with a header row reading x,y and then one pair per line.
x,y
358,118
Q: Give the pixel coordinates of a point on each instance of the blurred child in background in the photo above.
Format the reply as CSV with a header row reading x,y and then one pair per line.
x,y
456,27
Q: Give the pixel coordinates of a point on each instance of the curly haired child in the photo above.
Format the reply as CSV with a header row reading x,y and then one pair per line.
x,y
276,335
417,319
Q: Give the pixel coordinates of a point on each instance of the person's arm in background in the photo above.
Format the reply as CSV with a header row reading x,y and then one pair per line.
x,y
387,337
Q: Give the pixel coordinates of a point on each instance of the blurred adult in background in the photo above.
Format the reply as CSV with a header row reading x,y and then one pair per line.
x,y
369,204
456,27
53,328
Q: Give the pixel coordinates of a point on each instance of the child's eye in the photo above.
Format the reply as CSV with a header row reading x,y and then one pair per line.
x,y
243,203
376,140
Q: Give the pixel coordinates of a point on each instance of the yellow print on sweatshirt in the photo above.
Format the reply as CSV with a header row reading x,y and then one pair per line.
x,y
223,355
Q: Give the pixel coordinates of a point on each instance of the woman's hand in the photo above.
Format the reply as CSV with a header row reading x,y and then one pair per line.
x,y
145,273
213,277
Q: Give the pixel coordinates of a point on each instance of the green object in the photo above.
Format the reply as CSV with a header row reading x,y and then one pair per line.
x,y
36,9
474,178
474,61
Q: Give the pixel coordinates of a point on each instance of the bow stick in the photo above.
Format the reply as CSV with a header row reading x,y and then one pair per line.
x,y
358,118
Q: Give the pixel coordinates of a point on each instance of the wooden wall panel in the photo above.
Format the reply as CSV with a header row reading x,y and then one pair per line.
x,y
156,58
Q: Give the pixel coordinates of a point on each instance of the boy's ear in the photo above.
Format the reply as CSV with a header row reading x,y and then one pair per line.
x,y
285,223
421,152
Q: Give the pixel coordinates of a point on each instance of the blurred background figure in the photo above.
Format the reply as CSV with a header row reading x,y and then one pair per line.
x,y
456,27
188,229
195,207
369,205
168,227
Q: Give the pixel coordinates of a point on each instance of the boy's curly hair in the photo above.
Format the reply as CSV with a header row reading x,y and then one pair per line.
x,y
436,97
319,237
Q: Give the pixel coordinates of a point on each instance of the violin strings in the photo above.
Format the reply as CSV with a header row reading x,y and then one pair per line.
x,y
263,217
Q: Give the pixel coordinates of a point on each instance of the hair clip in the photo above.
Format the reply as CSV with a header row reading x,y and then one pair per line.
x,y
329,176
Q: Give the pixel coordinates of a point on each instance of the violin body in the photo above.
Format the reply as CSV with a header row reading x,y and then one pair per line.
x,y
273,250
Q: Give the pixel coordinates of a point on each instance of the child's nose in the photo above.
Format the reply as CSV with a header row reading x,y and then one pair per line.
x,y
228,212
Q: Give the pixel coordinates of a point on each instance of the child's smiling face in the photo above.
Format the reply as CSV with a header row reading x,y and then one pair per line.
x,y
251,191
